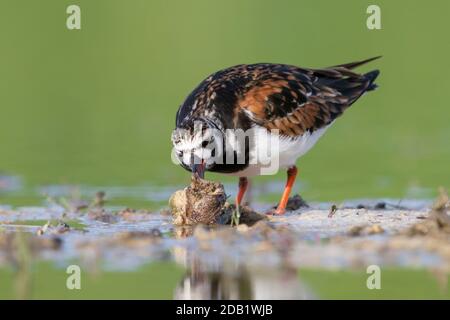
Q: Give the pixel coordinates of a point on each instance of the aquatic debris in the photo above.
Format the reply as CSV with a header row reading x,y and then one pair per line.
x,y
381,205
103,216
133,215
333,210
70,205
53,228
364,230
99,200
74,203
247,216
200,203
437,223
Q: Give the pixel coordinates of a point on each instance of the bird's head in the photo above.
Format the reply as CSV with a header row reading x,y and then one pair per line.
x,y
197,143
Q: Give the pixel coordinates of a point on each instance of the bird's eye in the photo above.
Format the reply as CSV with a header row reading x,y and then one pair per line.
x,y
208,142
179,153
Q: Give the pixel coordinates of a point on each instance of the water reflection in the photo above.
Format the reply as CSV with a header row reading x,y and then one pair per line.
x,y
219,276
241,283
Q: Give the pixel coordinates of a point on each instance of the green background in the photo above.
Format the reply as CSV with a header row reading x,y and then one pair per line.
x,y
97,105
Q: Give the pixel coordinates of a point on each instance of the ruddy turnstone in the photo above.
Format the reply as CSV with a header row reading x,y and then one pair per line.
x,y
295,104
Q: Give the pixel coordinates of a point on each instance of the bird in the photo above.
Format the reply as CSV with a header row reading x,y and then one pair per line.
x,y
294,104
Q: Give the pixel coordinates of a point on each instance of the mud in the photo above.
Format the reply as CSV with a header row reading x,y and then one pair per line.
x,y
355,233
247,216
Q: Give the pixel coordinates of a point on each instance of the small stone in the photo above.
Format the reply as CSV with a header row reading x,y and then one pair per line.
x,y
380,206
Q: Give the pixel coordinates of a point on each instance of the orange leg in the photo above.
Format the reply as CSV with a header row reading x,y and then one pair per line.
x,y
291,174
243,184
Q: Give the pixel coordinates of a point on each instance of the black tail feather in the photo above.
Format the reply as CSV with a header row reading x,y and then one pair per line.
x,y
353,65
371,77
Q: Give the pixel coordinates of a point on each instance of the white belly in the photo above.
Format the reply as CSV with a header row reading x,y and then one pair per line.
x,y
289,150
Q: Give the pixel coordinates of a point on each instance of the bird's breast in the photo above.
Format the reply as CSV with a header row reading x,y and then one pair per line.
x,y
269,152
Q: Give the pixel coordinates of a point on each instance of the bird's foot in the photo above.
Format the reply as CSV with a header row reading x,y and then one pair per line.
x,y
276,212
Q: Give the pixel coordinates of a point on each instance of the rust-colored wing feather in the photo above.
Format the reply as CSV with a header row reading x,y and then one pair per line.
x,y
295,100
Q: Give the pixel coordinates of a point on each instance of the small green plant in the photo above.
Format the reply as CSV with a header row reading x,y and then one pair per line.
x,y
235,216
75,203
23,277
73,223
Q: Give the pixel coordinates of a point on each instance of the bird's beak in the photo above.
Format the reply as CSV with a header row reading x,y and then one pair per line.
x,y
199,169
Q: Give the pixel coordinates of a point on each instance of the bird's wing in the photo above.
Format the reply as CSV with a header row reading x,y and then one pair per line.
x,y
295,100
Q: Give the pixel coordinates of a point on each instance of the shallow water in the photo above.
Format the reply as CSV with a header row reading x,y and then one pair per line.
x,y
224,262
71,129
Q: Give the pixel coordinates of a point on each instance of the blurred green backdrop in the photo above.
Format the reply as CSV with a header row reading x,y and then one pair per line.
x,y
97,105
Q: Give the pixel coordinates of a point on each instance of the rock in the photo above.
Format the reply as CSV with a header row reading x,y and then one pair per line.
x,y
204,202
247,215
200,203
380,206
294,203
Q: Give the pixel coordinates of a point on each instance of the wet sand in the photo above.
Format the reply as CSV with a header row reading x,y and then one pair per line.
x,y
358,233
